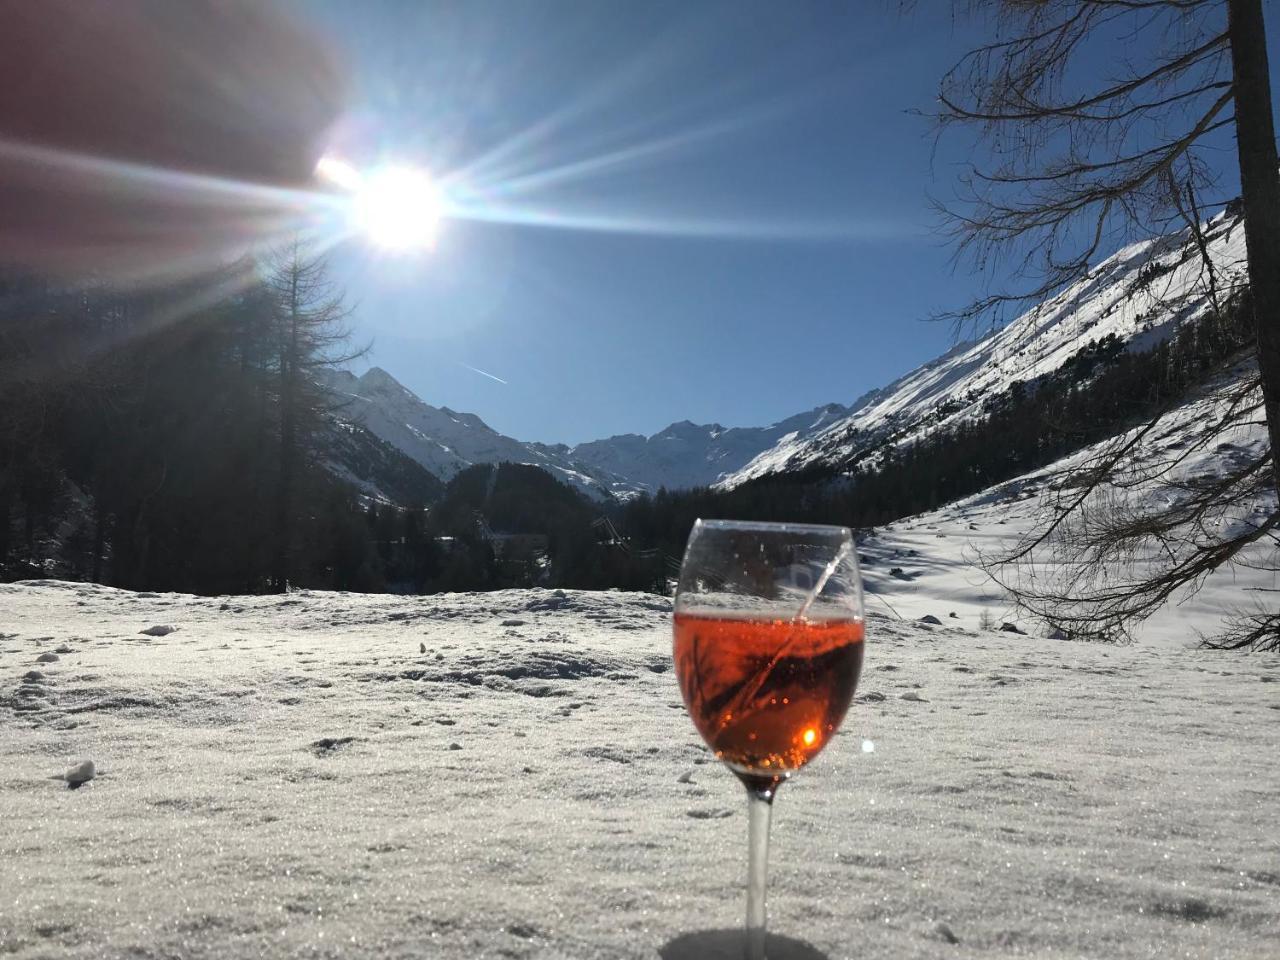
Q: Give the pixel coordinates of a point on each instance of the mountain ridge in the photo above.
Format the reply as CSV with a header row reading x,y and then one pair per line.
x,y
1139,295
445,441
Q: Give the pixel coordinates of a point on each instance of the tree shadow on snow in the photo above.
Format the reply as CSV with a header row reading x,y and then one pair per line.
x,y
730,944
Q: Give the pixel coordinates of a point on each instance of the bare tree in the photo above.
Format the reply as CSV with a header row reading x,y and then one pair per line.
x,y
311,334
1079,165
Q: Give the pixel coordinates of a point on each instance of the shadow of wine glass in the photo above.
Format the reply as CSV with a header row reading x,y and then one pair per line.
x,y
730,944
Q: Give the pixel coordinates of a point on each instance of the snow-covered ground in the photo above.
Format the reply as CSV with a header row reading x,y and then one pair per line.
x,y
933,564
513,775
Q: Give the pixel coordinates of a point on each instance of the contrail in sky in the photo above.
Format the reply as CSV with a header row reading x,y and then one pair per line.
x,y
479,371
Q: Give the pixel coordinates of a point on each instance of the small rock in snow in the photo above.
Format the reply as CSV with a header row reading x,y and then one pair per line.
x,y
953,615
422,648
930,618
33,676
913,696
48,658
1007,627
455,746
326,745
63,649
686,777
80,774
945,932
159,630
513,623
873,696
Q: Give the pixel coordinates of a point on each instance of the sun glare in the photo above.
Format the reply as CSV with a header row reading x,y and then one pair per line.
x,y
399,208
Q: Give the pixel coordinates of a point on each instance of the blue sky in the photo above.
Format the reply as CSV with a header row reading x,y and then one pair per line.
x,y
775,246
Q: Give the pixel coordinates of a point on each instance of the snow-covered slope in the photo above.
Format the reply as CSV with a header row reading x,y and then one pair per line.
x,y
933,564
1140,295
693,455
445,441
513,775
374,467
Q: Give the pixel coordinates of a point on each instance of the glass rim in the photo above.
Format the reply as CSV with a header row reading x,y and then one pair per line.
x,y
769,526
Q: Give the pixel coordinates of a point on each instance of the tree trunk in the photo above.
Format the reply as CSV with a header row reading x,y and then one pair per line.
x,y
1260,191
99,530
288,438
284,489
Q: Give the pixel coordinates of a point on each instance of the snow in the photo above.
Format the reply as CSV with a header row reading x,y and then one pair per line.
x,y
1140,295
939,555
513,775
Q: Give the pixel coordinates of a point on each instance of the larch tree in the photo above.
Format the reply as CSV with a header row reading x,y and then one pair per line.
x,y
312,335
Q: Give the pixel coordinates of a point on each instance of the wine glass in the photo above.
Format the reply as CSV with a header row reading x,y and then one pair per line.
x,y
768,645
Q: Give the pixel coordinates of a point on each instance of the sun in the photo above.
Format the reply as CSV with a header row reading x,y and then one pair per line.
x,y
398,208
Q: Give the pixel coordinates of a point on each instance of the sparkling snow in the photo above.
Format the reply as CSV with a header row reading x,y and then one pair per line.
x,y
513,775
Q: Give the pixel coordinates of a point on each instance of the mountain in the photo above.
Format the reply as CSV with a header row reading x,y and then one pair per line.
x,y
376,468
1138,297
446,442
691,455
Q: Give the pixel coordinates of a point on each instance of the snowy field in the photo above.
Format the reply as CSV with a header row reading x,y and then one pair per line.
x,y
513,775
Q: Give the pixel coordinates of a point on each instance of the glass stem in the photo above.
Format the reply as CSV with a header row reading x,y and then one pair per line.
x,y
759,808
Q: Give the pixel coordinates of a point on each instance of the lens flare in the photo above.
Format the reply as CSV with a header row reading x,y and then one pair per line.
x,y
399,208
